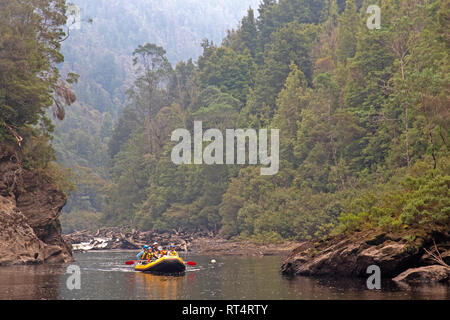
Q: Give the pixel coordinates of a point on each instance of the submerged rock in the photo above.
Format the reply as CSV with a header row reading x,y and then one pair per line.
x,y
30,231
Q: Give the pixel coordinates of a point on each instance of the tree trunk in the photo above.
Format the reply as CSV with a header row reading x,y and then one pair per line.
x,y
406,116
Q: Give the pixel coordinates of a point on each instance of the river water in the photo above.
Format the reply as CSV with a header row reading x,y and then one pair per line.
x,y
105,276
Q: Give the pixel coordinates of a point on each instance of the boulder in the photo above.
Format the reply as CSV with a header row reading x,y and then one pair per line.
x,y
434,273
350,256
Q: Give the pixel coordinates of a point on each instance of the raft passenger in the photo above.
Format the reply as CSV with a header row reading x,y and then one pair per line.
x,y
172,251
156,252
140,254
147,254
163,253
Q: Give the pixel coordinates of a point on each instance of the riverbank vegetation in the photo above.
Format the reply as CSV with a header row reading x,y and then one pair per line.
x,y
363,118
30,50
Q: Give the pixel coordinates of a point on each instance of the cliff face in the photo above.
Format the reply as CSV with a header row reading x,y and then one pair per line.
x,y
30,231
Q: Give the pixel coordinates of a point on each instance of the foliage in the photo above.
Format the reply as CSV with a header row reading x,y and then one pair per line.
x,y
30,41
363,118
422,202
81,220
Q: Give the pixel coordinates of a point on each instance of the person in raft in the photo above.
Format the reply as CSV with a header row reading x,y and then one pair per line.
x,y
156,252
140,254
172,251
148,254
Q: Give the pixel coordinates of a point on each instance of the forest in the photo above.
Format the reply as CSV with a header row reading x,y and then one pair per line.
x,y
363,116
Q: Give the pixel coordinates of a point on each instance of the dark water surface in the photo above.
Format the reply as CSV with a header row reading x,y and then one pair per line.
x,y
105,276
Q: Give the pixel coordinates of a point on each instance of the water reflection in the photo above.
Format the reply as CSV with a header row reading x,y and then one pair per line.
x,y
30,282
334,288
158,286
104,276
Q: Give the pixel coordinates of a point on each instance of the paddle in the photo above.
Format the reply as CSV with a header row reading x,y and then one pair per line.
x,y
133,261
191,263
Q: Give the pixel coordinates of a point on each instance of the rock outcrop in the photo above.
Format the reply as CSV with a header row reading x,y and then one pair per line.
x,y
30,231
434,273
351,255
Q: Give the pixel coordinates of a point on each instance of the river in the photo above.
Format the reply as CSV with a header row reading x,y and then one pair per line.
x,y
105,276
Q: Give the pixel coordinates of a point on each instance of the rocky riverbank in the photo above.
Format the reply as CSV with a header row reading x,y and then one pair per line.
x,y
218,246
199,242
30,206
398,258
123,238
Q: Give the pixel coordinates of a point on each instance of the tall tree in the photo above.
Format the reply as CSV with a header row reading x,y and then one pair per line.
x,y
347,33
30,39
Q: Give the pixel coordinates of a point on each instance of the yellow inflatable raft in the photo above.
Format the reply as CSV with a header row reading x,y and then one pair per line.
x,y
163,265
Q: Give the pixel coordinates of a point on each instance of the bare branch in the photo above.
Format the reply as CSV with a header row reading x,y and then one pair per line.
x,y
437,258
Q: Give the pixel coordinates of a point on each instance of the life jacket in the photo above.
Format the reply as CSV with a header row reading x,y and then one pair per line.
x,y
173,253
147,255
163,252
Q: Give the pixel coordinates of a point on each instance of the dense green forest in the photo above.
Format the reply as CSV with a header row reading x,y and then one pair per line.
x,y
99,51
363,116
31,34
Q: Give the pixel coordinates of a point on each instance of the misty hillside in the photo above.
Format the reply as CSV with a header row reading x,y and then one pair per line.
x,y
100,51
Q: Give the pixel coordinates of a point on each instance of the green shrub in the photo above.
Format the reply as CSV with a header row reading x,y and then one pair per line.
x,y
423,201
